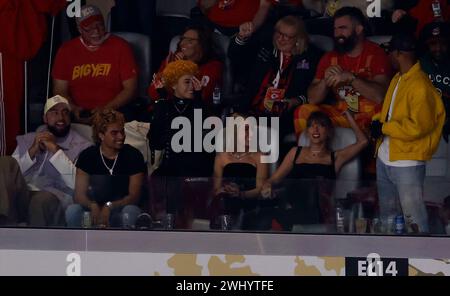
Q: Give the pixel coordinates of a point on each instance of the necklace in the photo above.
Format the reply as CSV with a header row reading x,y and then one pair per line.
x,y
315,152
239,156
181,111
110,169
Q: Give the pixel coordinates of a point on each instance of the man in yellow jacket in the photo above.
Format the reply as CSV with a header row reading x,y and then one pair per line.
x,y
409,130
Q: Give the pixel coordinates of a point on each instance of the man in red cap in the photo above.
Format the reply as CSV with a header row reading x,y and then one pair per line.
x,y
96,70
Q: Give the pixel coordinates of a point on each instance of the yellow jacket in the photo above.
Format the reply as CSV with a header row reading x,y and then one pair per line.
x,y
417,117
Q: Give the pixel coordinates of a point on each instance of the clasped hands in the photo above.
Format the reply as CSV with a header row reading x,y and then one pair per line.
x,y
335,76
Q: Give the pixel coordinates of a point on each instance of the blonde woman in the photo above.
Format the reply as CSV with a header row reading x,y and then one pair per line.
x,y
238,179
276,75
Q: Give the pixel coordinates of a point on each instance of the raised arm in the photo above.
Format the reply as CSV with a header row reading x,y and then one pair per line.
x,y
346,154
261,15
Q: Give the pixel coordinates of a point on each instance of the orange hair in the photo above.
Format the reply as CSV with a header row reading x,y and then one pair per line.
x,y
175,70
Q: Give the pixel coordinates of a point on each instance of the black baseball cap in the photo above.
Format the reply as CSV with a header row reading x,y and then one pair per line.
x,y
402,42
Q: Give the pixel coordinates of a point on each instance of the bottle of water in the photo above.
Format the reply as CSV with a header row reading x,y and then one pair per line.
x,y
217,95
86,221
340,218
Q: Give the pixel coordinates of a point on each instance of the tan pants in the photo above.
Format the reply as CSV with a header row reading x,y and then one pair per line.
x,y
18,204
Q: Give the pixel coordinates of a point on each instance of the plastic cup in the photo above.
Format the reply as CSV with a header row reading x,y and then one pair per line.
x,y
86,221
361,225
169,221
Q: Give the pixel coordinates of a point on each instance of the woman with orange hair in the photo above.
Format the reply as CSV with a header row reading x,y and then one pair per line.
x,y
179,78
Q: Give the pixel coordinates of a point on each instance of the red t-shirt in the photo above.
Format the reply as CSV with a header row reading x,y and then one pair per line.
x,y
95,77
235,13
371,62
423,12
211,73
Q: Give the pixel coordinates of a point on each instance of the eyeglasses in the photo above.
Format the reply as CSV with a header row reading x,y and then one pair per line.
x,y
188,39
283,36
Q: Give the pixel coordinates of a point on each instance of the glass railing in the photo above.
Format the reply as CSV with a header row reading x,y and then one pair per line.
x,y
317,206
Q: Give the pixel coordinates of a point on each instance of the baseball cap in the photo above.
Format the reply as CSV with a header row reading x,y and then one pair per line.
x,y
402,42
435,29
89,14
53,101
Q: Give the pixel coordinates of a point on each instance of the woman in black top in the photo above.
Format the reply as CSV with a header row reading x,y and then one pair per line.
x,y
179,76
238,179
172,188
314,162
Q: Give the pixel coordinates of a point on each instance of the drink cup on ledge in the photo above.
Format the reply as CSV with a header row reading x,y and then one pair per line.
x,y
361,225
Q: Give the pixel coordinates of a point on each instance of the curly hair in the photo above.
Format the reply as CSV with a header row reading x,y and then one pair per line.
x,y
205,39
175,70
101,121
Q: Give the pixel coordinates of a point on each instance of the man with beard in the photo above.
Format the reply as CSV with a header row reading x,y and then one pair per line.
x,y
38,181
436,63
357,72
96,70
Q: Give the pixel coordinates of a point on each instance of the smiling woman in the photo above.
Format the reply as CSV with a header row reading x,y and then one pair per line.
x,y
315,165
196,46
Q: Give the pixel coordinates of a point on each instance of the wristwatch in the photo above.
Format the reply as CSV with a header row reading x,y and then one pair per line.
x,y
109,205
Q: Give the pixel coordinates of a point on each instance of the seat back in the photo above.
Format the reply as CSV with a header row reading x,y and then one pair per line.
x,y
141,46
350,174
83,130
322,42
380,39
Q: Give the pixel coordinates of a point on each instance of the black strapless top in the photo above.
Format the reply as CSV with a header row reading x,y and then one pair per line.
x,y
312,170
305,190
243,174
